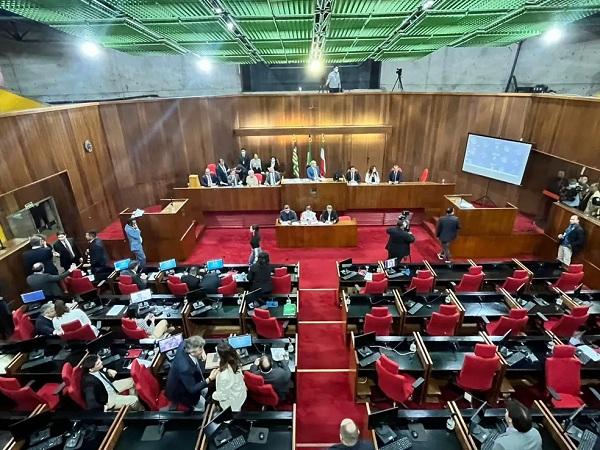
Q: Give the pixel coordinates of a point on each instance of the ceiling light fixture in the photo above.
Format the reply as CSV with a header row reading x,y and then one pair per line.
x,y
315,66
218,10
553,35
428,4
230,26
90,49
204,64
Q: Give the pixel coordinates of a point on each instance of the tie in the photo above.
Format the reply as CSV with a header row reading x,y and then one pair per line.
x,y
68,246
209,179
108,381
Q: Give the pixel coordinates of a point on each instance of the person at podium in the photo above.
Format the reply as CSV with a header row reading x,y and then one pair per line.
x,y
287,215
313,172
308,216
352,176
395,175
209,179
330,215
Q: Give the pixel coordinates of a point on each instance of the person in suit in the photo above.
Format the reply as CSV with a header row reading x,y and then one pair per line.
x,y
67,250
133,271
571,241
43,324
259,276
352,176
97,258
40,252
134,235
272,178
398,245
308,216
446,231
275,373
198,279
209,179
222,172
47,282
233,179
256,164
287,214
395,175
230,389
313,173
520,433
350,438
244,161
102,394
186,384
330,215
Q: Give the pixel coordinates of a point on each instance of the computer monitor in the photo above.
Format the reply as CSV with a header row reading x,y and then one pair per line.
x,y
390,263
99,343
346,262
211,428
170,343
23,429
409,294
214,264
383,417
169,264
140,296
241,341
33,297
122,264
195,295
477,416
364,340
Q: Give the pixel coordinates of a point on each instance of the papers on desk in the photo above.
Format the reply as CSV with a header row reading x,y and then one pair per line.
x,y
137,213
4,362
297,180
91,277
241,277
212,361
152,276
588,352
278,354
116,310
368,276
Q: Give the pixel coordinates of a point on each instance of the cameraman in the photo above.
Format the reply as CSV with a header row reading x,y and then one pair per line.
x,y
570,194
398,245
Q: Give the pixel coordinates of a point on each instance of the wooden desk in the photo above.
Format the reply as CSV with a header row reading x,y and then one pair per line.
x,y
341,234
394,196
244,198
318,194
12,271
476,221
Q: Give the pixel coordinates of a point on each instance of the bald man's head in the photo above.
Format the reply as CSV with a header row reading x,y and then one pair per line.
x,y
348,432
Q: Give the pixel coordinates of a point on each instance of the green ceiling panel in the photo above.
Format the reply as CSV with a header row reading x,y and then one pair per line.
x,y
281,31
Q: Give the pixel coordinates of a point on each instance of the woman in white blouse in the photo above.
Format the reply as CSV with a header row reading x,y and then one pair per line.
x,y
256,164
66,315
230,390
251,179
372,176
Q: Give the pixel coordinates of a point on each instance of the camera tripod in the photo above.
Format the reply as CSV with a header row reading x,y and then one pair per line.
x,y
398,81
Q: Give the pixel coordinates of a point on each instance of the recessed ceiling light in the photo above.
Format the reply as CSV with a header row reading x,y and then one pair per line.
x,y
90,49
428,4
553,35
230,26
204,64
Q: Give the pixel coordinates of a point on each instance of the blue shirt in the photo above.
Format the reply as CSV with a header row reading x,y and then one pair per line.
x,y
135,238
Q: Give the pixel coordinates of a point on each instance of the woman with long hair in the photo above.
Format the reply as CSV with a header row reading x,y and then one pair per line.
x,y
64,315
259,276
230,389
372,176
254,244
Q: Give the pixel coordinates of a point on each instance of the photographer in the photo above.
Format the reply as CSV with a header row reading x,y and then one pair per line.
x,y
570,194
400,238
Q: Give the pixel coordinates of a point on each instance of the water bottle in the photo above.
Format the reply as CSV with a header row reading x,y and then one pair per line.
x,y
288,301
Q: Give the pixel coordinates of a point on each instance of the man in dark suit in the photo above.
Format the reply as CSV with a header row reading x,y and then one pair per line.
x,y
41,281
350,438
209,179
97,259
68,251
133,271
330,215
43,324
222,172
398,245
40,252
395,175
244,161
571,241
352,176
275,373
272,177
186,383
287,214
446,231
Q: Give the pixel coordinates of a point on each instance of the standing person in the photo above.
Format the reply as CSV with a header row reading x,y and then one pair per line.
x,y
222,171
313,173
209,179
398,245
230,389
40,252
395,175
372,176
446,231
350,438
272,177
352,176
134,235
334,83
256,164
275,373
259,276
97,259
254,244
67,250
570,241
520,433
244,161
47,282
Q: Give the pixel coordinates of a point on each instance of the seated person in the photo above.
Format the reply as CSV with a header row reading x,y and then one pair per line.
x,y
64,314
287,214
222,172
251,180
256,164
272,177
148,324
570,194
209,179
520,433
352,176
132,271
313,172
234,179
372,176
308,216
196,278
350,438
102,394
259,276
276,373
395,175
230,389
274,163
43,324
330,215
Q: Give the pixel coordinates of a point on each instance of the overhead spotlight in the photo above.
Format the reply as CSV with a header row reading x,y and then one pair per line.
x,y
90,49
315,66
299,88
428,4
204,64
230,26
553,35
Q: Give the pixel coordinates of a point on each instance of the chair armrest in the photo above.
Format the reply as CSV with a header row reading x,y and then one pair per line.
x,y
60,388
541,316
595,392
485,319
553,393
101,283
418,382
30,383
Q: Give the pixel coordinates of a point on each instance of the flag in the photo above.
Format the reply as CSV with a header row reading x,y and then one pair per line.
x,y
295,165
323,163
309,151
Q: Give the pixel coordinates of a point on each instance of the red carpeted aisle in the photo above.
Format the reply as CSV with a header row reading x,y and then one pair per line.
x,y
319,305
322,346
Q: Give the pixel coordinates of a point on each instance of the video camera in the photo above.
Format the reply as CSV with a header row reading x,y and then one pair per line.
x,y
404,220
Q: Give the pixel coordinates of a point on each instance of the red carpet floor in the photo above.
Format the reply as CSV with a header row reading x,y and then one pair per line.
x,y
319,305
322,346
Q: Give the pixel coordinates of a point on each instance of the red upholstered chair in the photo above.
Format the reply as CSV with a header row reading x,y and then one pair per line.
x,y
71,377
378,285
396,386
444,322
568,282
148,388
266,326
127,289
131,330
212,168
72,332
125,279
378,320
423,282
259,177
24,328
475,270
280,271
513,283
25,398
575,268
470,283
176,286
515,322
563,376
478,370
78,284
568,324
228,286
424,175
259,391
71,326
282,285
344,218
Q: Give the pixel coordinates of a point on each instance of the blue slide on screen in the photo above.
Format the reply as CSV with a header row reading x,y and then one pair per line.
x,y
496,158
